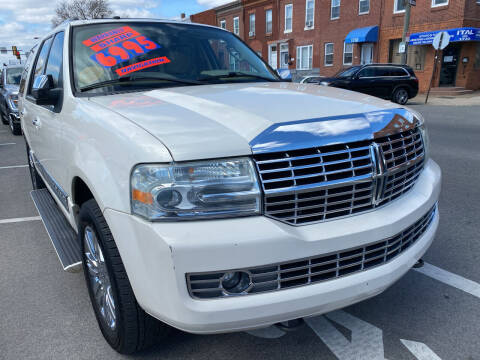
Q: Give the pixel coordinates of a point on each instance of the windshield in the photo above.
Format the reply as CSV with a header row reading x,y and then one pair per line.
x,y
138,55
349,72
14,75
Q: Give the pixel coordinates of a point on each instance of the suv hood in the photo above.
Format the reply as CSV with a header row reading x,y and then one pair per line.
x,y
211,121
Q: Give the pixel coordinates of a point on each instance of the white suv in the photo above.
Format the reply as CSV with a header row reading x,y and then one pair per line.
x,y
201,192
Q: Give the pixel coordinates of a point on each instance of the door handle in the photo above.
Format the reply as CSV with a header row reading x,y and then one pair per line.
x,y
36,122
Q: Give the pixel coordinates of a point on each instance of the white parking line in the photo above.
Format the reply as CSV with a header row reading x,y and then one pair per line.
x,y
8,144
13,167
420,350
17,220
451,279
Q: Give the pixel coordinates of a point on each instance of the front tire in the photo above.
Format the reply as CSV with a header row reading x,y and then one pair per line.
x,y
400,96
15,128
124,324
37,181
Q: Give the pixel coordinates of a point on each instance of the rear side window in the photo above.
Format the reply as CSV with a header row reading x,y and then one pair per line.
x,y
54,63
396,71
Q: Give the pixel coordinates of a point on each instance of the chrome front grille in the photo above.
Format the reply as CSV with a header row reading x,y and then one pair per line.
x,y
314,269
317,184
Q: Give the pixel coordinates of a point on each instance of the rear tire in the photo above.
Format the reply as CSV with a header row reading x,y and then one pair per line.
x,y
400,95
124,324
37,181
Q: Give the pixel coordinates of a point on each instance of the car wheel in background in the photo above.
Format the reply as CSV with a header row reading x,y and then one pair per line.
x,y
37,182
124,324
400,96
15,128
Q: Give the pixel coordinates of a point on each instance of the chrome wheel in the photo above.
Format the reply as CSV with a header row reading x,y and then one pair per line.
x,y
99,283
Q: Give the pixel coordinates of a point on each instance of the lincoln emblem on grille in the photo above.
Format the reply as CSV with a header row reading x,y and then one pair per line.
x,y
306,184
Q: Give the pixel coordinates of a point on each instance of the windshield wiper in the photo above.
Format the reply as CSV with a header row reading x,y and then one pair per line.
x,y
237,74
132,78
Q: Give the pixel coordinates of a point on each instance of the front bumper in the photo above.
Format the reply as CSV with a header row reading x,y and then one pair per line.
x,y
158,255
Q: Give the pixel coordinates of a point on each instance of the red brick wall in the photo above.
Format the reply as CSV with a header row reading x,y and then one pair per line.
x,y
228,17
208,17
259,42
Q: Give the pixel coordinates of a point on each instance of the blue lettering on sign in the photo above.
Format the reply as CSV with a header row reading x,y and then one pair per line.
x,y
459,34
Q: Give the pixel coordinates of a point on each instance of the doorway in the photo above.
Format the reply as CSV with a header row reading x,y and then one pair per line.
x,y
367,54
448,71
272,56
284,56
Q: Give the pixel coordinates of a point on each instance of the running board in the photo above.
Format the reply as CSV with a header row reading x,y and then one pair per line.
x,y
63,237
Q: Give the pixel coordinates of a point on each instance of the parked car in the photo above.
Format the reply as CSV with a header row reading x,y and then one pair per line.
x,y
312,79
201,192
388,81
9,81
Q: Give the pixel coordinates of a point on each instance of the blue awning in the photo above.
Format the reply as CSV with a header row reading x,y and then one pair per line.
x,y
459,34
366,34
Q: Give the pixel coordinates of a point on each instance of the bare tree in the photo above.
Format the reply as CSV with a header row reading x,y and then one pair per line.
x,y
81,10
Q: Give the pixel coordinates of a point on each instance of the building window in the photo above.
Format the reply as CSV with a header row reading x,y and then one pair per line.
x,y
335,11
236,26
347,54
476,64
304,57
309,14
251,31
328,54
399,6
288,17
223,24
439,3
363,7
268,21
416,56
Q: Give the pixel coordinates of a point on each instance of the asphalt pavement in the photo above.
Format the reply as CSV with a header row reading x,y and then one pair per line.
x,y
45,313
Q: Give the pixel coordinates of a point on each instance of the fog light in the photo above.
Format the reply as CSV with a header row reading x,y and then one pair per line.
x,y
236,282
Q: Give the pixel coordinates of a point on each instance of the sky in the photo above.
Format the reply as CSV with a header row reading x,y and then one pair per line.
x,y
23,20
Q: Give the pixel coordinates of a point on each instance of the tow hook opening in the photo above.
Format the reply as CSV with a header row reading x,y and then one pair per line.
x,y
419,264
291,325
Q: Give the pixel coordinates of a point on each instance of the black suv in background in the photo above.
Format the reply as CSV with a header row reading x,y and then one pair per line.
x,y
388,81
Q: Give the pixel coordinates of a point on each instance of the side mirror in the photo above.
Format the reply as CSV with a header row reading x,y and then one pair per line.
x,y
43,91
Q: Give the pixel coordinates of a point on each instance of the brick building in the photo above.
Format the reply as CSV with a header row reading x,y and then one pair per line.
x,y
324,36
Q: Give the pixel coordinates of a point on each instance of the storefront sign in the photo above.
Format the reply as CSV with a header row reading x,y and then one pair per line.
x,y
460,34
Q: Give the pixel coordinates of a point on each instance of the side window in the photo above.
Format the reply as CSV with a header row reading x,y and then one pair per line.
x,y
382,71
28,64
396,71
54,63
41,61
367,72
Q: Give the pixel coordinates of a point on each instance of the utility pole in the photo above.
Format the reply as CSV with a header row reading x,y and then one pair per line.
x,y
406,24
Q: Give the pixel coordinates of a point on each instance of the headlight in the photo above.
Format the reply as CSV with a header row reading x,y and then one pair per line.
x,y
203,189
13,101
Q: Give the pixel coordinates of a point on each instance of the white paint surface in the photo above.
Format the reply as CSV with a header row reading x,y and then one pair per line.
x,y
451,279
13,167
17,220
420,350
366,343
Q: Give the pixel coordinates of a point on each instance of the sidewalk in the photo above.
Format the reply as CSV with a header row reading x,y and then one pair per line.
x,y
462,100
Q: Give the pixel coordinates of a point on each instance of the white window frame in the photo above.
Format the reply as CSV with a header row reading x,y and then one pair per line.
x,y
364,12
268,11
344,46
285,30
250,17
236,29
332,53
332,7
437,5
223,24
395,11
301,66
313,17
